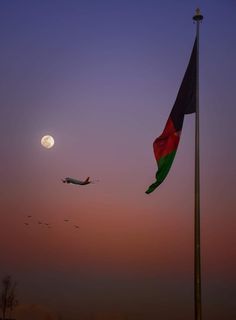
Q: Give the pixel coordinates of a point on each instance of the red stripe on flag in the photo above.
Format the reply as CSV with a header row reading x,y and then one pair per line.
x,y
167,142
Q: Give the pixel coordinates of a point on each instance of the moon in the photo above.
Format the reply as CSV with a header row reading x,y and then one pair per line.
x,y
47,141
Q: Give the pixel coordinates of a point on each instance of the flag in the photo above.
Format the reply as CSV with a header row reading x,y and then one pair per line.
x,y
165,146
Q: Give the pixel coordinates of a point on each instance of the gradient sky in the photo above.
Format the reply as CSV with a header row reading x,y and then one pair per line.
x,y
101,76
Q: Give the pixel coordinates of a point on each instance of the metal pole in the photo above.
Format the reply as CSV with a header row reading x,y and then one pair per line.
x,y
197,248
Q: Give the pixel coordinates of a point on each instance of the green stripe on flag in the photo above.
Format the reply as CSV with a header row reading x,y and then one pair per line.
x,y
164,165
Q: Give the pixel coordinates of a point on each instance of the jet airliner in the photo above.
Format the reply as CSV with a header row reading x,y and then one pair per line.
x,y
75,181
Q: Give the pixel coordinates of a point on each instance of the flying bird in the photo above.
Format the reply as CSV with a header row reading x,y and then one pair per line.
x,y
66,220
29,216
77,227
26,223
75,181
39,222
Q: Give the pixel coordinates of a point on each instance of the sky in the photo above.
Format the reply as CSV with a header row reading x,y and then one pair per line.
x,y
101,77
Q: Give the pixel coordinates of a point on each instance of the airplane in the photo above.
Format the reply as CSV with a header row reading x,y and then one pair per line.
x,y
75,181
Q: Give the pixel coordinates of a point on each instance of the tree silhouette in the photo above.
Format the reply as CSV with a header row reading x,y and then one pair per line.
x,y
8,296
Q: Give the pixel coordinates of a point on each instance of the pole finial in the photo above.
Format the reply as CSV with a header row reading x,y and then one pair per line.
x,y
198,16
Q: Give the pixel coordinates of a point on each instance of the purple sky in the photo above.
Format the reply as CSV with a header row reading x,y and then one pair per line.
x,y
101,77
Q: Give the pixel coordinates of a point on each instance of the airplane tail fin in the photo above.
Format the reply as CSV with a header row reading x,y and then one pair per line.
x,y
87,180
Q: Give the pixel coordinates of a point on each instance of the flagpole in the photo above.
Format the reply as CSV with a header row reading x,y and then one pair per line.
x,y
197,248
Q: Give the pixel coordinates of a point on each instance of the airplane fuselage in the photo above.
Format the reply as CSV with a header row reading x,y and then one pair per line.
x,y
75,181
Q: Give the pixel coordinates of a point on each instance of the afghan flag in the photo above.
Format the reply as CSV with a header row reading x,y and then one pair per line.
x,y
165,146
